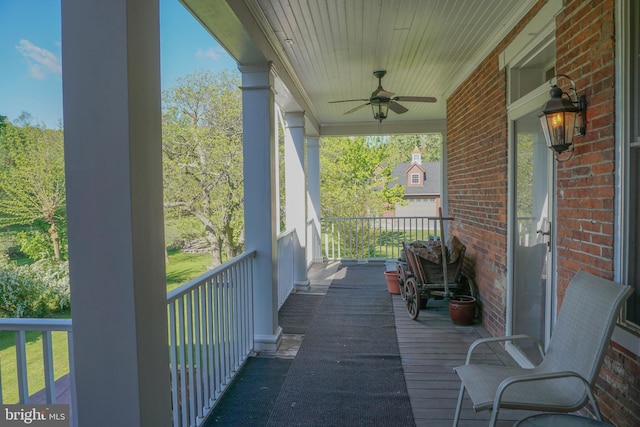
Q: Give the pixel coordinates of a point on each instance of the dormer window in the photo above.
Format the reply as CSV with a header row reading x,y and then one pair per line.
x,y
415,178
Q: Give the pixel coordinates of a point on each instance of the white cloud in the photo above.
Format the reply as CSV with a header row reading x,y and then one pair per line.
x,y
41,61
209,53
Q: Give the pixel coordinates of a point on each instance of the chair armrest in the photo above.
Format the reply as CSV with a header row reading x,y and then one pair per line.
x,y
476,343
538,377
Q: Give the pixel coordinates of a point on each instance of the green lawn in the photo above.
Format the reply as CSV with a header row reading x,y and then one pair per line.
x,y
183,267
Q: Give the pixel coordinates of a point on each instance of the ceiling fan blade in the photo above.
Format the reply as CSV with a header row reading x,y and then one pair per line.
x,y
357,108
397,108
349,100
384,94
415,98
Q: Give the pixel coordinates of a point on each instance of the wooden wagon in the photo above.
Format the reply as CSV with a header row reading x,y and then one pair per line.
x,y
430,270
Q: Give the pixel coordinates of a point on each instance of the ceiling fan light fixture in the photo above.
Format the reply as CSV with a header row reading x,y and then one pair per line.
x,y
380,110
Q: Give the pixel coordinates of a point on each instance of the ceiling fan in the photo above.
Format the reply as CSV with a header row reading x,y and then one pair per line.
x,y
382,101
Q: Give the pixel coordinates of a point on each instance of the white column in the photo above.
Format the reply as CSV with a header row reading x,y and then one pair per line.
x,y
444,191
260,194
112,126
313,188
296,193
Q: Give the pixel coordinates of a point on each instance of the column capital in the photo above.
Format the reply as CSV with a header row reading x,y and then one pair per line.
x,y
294,119
257,76
313,141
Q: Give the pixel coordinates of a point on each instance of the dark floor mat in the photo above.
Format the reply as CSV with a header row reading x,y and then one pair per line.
x,y
252,394
296,313
348,370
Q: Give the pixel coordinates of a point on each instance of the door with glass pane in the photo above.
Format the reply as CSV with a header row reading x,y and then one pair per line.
x,y
532,228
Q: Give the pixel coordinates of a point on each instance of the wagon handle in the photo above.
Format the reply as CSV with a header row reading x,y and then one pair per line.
x,y
443,245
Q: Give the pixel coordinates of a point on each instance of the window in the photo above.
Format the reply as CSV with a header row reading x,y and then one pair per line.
x,y
415,179
630,158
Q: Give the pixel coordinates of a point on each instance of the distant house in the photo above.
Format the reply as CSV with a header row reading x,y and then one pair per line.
x,y
422,186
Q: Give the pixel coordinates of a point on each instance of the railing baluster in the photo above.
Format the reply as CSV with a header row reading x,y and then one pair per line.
x,y
21,359
184,409
225,325
173,343
210,342
47,358
197,360
190,370
234,319
216,335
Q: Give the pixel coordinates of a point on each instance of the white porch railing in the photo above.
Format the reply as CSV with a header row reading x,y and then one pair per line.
x,y
45,327
286,262
314,244
370,238
210,336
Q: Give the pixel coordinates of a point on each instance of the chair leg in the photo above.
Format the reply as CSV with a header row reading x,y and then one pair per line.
x,y
494,416
456,417
594,404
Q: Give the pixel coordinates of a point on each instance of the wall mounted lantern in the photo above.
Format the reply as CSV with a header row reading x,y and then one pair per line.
x,y
563,116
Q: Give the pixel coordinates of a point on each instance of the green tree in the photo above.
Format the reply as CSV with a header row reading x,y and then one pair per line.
x,y
356,177
32,186
202,147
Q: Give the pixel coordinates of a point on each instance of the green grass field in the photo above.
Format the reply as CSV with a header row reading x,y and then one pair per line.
x,y
183,267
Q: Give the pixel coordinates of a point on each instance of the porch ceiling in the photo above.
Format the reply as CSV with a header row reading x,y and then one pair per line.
x,y
327,50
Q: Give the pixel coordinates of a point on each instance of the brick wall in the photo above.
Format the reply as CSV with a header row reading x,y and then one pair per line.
x,y
477,178
477,181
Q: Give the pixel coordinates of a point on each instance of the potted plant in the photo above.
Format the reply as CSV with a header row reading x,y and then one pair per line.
x,y
393,283
462,309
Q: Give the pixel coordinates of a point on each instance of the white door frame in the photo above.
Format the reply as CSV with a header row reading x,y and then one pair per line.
x,y
522,107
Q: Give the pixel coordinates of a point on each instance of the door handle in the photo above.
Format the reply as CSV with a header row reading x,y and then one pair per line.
x,y
546,233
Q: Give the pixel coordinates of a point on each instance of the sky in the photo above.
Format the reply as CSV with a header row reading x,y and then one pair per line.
x,y
30,55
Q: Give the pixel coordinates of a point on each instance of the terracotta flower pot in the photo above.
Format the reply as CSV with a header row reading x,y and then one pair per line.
x,y
392,281
462,309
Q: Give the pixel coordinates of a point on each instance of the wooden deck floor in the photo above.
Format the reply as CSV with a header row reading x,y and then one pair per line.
x,y
430,347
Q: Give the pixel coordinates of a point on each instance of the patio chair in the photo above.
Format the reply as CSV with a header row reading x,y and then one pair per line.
x,y
562,382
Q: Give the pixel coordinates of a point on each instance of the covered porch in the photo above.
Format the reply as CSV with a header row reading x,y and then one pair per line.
x,y
485,92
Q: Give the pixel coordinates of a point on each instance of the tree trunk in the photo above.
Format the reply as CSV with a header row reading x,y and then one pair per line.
x,y
216,256
55,239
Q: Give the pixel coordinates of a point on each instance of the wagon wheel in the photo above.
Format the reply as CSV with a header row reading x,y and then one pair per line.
x,y
402,274
466,287
412,298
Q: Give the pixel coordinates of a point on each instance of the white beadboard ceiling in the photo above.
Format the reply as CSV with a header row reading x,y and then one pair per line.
x,y
327,50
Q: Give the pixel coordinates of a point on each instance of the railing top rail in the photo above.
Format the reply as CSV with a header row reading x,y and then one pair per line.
x,y
28,324
286,233
190,285
448,218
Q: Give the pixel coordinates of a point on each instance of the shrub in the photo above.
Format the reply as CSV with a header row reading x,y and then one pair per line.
x,y
36,290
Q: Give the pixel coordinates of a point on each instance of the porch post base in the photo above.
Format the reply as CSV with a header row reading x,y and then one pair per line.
x,y
303,285
268,342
